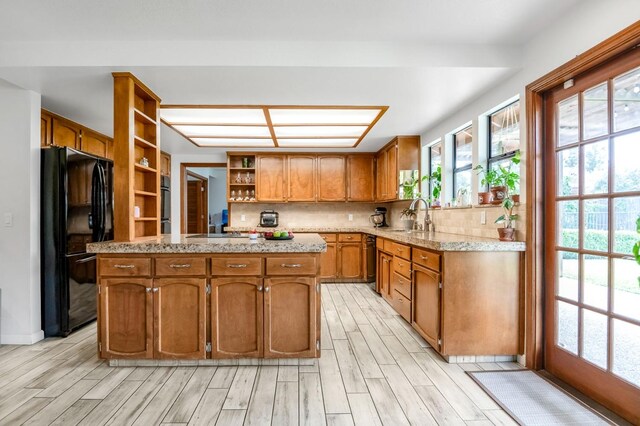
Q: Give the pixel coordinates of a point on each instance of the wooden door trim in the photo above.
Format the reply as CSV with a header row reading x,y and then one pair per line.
x,y
183,190
534,93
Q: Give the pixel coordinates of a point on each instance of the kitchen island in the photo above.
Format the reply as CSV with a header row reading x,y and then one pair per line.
x,y
185,298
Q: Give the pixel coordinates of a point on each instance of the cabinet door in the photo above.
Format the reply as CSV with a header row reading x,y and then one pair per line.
x,y
45,128
236,317
94,143
291,317
369,259
126,318
179,318
426,304
360,179
350,260
328,262
65,134
301,178
270,180
385,272
381,176
392,173
165,164
331,178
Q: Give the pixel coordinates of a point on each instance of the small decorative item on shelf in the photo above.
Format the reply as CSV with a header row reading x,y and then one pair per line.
x,y
247,197
136,211
144,162
233,196
247,178
238,178
245,162
253,195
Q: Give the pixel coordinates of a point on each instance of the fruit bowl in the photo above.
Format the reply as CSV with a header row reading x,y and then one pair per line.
x,y
288,237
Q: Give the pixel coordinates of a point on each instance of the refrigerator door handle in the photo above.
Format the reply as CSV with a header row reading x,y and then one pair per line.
x,y
86,259
103,202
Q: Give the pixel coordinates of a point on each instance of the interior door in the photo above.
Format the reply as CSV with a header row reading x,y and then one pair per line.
x,y
592,202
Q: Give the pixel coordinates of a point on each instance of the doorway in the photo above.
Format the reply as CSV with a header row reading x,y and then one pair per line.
x,y
203,199
591,204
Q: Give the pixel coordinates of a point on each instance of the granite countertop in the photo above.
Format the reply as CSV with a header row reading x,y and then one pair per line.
x,y
302,243
431,240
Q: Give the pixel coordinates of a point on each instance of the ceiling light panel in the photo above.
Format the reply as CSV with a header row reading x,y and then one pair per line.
x,y
233,142
224,131
213,116
319,131
323,116
317,143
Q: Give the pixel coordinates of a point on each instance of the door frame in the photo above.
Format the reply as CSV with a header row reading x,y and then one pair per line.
x,y
183,191
534,93
202,202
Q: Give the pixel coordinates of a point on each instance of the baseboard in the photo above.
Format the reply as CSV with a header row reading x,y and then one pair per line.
x,y
21,339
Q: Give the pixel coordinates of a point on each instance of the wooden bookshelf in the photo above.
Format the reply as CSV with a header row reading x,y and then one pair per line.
x,y
240,179
136,135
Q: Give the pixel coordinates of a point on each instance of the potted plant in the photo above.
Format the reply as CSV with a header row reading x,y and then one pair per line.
x,y
507,233
408,218
436,180
409,186
502,182
489,180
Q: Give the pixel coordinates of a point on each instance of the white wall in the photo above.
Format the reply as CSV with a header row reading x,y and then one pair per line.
x,y
20,197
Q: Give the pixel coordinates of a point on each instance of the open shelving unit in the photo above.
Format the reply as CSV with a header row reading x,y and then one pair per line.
x,y
241,179
136,136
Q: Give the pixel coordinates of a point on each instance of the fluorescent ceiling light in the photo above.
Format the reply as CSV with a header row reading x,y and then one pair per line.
x,y
319,131
213,116
222,131
318,143
229,142
323,116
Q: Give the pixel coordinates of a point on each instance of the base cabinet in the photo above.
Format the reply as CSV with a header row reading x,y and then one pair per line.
x,y
350,260
426,299
383,276
346,258
328,262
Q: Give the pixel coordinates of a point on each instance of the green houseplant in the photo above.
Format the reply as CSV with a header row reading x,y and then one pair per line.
x,y
507,233
408,218
502,181
436,181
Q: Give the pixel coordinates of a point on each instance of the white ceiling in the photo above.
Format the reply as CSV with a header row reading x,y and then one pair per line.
x,y
424,59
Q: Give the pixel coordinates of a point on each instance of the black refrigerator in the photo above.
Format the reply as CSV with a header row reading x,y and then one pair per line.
x,y
76,209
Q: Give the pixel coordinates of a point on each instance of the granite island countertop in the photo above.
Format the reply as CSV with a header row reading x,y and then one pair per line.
x,y
440,241
302,243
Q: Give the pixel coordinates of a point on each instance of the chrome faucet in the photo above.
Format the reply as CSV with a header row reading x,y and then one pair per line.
x,y
428,223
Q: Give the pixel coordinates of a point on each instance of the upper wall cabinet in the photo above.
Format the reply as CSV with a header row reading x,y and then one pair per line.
x,y
65,134
165,164
59,131
360,178
46,122
400,155
332,185
270,180
301,177
96,144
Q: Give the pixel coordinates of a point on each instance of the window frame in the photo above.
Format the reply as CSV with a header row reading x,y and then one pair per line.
x,y
499,158
469,167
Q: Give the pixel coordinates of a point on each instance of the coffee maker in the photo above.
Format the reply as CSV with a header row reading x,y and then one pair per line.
x,y
379,217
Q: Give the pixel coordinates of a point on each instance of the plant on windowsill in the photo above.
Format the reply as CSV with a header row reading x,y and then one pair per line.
x,y
408,218
502,182
507,233
436,180
489,180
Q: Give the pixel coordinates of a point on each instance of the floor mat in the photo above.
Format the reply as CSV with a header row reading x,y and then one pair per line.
x,y
532,400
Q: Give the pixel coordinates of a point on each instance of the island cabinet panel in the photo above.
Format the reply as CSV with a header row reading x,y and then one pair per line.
x,y
179,318
332,184
237,317
126,318
301,178
271,177
173,266
426,300
291,317
350,260
360,178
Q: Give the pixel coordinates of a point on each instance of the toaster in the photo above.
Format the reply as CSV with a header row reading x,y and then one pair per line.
x,y
269,219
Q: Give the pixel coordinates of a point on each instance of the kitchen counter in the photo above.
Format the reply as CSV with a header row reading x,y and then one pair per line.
x,y
303,243
431,240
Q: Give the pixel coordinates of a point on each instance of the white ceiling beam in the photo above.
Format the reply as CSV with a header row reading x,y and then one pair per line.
x,y
262,53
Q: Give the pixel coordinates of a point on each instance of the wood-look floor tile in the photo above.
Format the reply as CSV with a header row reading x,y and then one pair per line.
x,y
311,404
206,413
363,410
240,391
60,404
285,407
408,398
339,420
351,375
386,403
335,396
76,413
188,400
107,407
223,377
231,417
261,404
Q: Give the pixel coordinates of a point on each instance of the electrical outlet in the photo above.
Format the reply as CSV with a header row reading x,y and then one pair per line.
x,y
243,218
350,217
8,220
483,218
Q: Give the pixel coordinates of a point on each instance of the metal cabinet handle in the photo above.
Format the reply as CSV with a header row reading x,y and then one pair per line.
x,y
237,265
423,257
185,265
266,289
260,288
124,266
290,265
148,289
398,249
349,238
155,289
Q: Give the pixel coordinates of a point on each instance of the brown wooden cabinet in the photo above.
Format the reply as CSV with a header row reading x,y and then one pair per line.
x,y
360,178
350,260
369,258
46,122
290,318
426,299
402,153
270,178
301,178
383,276
331,178
179,318
381,176
96,144
329,262
392,172
165,164
126,318
65,134
236,317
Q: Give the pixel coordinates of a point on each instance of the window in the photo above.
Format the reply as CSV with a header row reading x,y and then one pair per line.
x,y
504,137
462,142
435,161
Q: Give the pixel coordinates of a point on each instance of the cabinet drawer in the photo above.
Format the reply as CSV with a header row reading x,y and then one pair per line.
x,y
427,259
401,304
125,267
350,238
401,250
402,267
402,285
388,246
181,266
330,238
236,266
291,266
